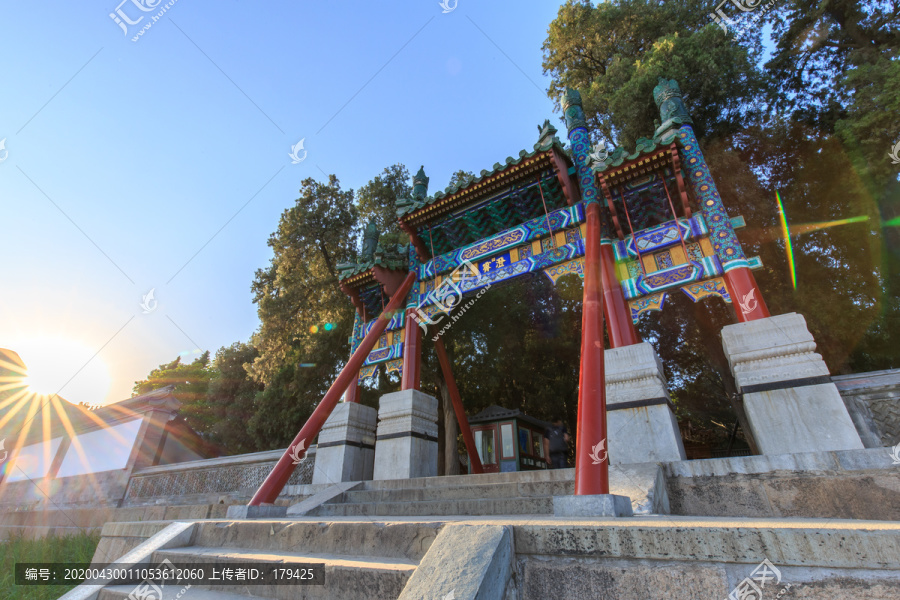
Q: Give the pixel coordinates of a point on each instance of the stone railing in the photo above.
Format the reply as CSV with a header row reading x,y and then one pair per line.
x,y
873,401
233,476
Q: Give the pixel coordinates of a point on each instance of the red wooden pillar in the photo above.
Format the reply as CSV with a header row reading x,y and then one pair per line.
x,y
471,450
352,394
412,353
275,482
615,309
745,295
591,456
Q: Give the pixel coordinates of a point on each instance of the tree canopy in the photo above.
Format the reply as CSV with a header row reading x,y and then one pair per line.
x,y
809,112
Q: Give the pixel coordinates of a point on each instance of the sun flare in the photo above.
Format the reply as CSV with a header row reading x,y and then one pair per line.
x,y
65,367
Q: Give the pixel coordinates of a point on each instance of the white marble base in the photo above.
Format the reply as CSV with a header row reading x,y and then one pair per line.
x,y
791,404
640,423
346,449
406,445
594,505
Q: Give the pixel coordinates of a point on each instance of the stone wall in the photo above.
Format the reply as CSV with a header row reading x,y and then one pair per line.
x,y
873,401
202,481
846,484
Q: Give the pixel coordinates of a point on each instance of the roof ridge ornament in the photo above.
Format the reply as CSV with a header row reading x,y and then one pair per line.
x,y
546,134
574,113
370,243
420,185
672,110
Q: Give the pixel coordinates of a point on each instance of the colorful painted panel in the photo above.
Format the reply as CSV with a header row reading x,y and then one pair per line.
x,y
453,289
557,271
359,332
563,218
495,262
724,241
663,260
695,252
396,322
384,354
669,278
366,372
751,263
659,237
394,366
647,303
710,287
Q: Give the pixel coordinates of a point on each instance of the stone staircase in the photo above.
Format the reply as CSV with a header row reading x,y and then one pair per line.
x,y
495,494
520,493
362,560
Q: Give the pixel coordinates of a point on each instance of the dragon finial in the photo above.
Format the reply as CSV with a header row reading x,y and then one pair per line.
x,y
546,132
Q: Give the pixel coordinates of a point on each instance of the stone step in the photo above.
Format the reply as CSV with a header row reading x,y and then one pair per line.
x,y
347,577
123,592
488,506
392,540
460,492
469,480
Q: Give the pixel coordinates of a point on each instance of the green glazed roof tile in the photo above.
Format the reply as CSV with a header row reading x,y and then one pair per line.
x,y
408,205
602,161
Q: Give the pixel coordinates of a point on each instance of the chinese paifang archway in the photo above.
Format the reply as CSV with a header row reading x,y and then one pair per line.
x,y
635,227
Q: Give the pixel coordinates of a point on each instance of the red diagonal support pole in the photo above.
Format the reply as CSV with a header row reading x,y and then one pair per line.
x,y
275,482
412,353
458,407
591,456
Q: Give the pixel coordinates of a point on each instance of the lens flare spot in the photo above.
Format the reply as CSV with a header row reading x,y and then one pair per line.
x,y
314,329
329,326
786,232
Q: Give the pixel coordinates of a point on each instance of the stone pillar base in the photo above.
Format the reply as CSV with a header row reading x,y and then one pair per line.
x,y
640,420
346,449
594,505
407,446
791,403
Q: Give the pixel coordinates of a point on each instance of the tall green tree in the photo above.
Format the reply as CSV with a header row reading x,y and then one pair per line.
x,y
231,398
613,53
376,202
191,383
305,319
299,292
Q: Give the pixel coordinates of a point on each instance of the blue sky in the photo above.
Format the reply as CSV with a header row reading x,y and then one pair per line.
x,y
163,163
